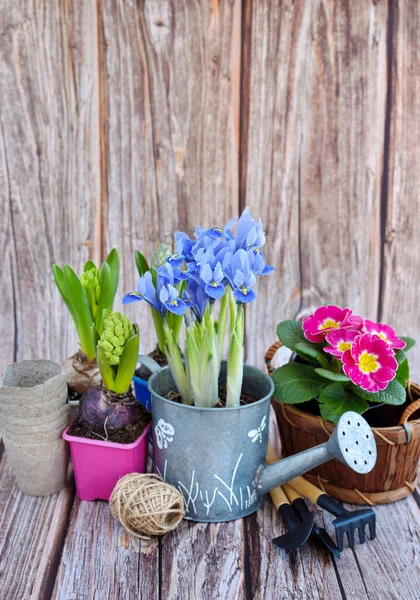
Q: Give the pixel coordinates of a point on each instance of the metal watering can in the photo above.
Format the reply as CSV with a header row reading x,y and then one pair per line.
x,y
216,457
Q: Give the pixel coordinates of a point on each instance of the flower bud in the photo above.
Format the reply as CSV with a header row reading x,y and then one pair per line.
x,y
159,257
117,331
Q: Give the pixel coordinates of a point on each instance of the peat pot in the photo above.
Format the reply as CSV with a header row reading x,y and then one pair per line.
x,y
398,451
33,415
216,456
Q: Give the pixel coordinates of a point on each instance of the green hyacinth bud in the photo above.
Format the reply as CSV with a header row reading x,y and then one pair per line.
x,y
90,281
160,256
117,331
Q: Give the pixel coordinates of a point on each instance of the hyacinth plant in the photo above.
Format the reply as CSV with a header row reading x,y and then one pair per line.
x,y
348,362
174,320
86,298
220,264
112,406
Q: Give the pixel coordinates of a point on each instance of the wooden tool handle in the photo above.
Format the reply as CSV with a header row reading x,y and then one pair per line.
x,y
291,493
277,495
306,489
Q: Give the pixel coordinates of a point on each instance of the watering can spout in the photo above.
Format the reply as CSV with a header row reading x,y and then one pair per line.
x,y
352,443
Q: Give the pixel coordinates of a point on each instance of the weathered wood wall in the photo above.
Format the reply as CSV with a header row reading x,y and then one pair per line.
x,y
122,121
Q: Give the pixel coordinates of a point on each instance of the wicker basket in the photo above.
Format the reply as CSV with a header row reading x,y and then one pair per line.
x,y
395,473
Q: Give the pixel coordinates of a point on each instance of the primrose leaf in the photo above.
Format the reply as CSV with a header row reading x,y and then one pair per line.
x,y
290,333
403,373
410,342
399,356
295,383
308,350
335,401
331,375
141,263
393,394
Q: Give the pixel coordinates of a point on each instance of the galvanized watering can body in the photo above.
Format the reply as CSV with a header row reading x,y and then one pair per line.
x,y
216,456
212,455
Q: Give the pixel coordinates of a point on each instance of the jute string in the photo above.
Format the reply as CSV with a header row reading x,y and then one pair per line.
x,y
146,505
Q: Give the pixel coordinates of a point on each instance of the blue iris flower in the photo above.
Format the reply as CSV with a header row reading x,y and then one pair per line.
x,y
195,297
238,271
248,232
163,297
170,299
213,279
145,291
183,246
257,262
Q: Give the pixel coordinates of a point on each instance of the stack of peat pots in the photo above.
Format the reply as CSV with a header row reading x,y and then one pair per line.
x,y
33,415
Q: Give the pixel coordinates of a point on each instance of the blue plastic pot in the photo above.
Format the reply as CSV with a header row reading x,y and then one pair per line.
x,y
141,392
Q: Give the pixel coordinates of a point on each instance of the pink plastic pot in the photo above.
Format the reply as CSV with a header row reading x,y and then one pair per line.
x,y
99,465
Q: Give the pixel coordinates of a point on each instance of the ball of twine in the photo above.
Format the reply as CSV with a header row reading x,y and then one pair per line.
x,y
146,505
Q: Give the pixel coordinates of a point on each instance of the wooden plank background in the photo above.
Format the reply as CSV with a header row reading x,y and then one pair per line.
x,y
122,121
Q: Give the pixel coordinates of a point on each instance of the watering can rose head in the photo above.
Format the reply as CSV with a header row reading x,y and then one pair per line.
x,y
348,362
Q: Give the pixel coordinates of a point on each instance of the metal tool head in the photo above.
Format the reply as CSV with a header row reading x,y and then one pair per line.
x,y
352,521
299,523
353,443
326,539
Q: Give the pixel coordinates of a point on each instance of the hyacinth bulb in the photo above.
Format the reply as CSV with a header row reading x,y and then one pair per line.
x,y
117,331
103,412
159,257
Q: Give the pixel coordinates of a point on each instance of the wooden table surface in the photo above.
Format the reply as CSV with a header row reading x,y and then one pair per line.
x,y
60,547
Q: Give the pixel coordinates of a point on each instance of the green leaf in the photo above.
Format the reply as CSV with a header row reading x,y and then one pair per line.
x,y
295,383
410,342
106,299
393,394
331,375
63,289
141,263
310,351
107,372
399,356
403,373
335,401
81,309
89,265
128,363
290,333
114,264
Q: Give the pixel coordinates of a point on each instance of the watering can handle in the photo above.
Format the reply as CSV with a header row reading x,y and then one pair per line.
x,y
149,363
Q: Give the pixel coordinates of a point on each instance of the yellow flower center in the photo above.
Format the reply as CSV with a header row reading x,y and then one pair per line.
x,y
174,302
383,336
244,290
329,324
213,284
343,346
368,362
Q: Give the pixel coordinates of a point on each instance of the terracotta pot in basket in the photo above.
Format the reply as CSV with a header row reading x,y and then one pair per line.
x,y
395,473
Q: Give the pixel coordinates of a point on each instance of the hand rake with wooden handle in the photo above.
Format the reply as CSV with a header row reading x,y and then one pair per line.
x,y
347,521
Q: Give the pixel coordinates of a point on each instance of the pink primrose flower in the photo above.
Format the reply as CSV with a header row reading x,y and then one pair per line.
x,y
385,332
327,318
340,340
370,363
